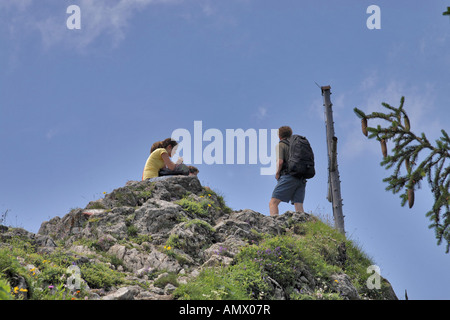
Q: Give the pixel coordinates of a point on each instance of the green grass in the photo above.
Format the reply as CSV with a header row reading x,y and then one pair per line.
x,y
212,284
5,290
210,200
171,278
200,223
211,194
48,278
99,276
192,207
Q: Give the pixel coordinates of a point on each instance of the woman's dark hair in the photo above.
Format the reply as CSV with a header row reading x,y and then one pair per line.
x,y
155,146
168,142
163,144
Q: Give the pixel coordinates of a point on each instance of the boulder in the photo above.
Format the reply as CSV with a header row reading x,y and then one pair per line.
x,y
145,231
124,293
344,286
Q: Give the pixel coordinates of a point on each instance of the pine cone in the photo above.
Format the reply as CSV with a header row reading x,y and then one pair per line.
x,y
407,125
383,147
411,197
364,126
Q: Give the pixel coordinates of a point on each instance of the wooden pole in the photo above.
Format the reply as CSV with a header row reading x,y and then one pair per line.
x,y
334,184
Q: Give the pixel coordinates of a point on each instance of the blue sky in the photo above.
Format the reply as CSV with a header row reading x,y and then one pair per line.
x,y
79,109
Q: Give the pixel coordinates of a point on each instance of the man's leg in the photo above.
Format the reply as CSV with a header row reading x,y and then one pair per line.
x,y
299,195
273,206
298,207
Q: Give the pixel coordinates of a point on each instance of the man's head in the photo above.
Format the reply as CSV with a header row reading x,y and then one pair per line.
x,y
284,132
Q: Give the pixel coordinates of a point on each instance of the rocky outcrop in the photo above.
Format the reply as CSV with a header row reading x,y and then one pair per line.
x,y
162,234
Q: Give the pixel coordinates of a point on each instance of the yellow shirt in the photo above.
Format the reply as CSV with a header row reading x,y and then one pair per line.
x,y
154,163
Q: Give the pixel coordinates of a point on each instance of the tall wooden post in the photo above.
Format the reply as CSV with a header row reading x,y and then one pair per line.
x,y
334,184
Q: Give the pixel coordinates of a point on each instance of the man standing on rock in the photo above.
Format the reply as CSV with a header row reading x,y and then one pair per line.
x,y
288,188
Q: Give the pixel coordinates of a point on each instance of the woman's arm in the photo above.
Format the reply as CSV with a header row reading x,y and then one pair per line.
x,y
169,164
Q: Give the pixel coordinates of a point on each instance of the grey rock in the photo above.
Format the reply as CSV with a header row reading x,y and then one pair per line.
x,y
45,241
192,238
135,260
124,293
69,225
344,286
277,289
169,289
157,217
229,248
217,261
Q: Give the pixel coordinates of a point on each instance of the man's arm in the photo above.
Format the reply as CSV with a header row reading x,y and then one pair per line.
x,y
281,157
279,166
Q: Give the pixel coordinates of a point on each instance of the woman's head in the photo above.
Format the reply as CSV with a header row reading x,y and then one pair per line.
x,y
170,145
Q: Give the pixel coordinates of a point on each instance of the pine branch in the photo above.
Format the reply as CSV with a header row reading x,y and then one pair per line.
x,y
446,13
405,154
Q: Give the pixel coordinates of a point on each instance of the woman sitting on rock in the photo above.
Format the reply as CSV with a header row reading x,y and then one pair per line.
x,y
159,158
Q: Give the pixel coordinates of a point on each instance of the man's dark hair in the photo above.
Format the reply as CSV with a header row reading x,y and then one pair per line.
x,y
285,132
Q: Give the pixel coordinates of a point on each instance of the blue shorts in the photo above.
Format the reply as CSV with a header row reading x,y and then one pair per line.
x,y
290,188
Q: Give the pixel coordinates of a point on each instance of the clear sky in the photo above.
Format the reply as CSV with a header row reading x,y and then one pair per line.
x,y
79,109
